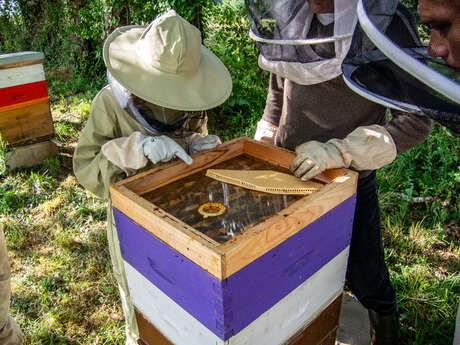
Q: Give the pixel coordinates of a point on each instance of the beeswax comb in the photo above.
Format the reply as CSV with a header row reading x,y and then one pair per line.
x,y
268,181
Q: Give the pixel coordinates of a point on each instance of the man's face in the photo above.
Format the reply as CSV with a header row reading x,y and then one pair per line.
x,y
322,6
443,19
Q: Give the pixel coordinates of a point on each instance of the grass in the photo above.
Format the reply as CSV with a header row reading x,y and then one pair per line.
x,y
419,199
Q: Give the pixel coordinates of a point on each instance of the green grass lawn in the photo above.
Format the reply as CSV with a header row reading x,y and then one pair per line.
x,y
64,291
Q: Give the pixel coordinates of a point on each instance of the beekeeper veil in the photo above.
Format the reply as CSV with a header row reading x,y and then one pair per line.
x,y
156,119
396,72
298,44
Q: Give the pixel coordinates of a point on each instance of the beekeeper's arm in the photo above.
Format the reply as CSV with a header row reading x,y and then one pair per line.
x,y
408,130
365,148
200,140
133,152
91,167
268,124
103,155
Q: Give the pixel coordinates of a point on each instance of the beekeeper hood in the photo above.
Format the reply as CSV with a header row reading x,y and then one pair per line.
x,y
165,64
399,73
299,44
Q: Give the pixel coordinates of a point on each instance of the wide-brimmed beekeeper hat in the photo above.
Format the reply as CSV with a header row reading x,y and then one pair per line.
x,y
165,63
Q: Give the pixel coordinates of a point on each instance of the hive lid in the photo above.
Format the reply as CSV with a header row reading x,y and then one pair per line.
x,y
268,181
7,59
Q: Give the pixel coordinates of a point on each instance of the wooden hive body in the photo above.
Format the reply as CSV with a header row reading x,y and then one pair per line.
x,y
25,115
279,281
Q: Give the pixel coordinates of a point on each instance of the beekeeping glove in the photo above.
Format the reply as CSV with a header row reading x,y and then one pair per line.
x,y
197,143
265,132
133,152
162,149
366,148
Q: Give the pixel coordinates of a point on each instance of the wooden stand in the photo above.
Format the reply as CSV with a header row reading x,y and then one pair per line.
x,y
273,283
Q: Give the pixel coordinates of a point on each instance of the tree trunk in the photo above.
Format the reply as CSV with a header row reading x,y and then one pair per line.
x,y
197,20
33,14
120,11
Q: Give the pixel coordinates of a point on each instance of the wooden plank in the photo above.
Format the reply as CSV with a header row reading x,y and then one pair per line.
x,y
167,173
26,124
322,329
22,93
21,75
276,326
188,241
149,334
21,64
23,104
20,57
275,155
258,240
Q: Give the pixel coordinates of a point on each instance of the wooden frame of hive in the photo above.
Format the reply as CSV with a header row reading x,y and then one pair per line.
x,y
294,259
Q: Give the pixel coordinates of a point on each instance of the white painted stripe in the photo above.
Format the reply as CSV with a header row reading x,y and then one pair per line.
x,y
21,75
275,326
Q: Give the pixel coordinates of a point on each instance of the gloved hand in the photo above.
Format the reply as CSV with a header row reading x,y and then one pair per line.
x,y
265,132
366,148
199,143
162,149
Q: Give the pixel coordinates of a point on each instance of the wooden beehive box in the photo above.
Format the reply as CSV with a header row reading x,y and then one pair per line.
x,y
25,116
270,271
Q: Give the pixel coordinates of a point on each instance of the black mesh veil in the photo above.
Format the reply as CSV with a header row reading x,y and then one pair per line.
x,y
390,74
377,78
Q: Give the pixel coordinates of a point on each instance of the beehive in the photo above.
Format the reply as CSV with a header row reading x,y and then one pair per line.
x,y
275,279
25,116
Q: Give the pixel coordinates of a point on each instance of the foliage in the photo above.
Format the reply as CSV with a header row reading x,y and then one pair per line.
x,y
431,172
71,33
227,30
3,151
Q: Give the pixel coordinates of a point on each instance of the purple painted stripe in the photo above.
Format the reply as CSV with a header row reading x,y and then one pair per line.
x,y
226,307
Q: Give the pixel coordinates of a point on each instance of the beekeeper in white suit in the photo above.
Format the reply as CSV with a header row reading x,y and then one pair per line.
x,y
161,81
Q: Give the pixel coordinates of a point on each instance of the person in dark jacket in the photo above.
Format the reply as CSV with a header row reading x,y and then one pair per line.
x,y
310,109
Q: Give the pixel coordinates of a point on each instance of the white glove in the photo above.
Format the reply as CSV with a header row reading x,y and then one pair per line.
x,y
366,148
199,143
162,149
265,132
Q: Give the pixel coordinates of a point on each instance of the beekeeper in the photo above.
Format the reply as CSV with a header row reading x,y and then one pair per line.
x,y
161,81
310,109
